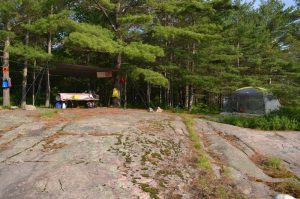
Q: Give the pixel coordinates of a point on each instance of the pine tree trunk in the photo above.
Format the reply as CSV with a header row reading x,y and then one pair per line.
x,y
24,84
6,91
166,92
238,58
171,92
186,100
33,83
159,95
191,97
48,88
25,69
149,94
125,92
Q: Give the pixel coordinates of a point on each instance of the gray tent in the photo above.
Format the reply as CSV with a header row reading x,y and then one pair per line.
x,y
251,100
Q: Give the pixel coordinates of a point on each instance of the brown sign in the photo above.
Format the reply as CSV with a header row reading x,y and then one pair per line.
x,y
104,74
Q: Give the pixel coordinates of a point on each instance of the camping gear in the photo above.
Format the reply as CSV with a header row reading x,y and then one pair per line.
x,y
251,100
63,98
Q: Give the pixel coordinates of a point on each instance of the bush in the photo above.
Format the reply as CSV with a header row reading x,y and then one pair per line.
x,y
203,108
284,119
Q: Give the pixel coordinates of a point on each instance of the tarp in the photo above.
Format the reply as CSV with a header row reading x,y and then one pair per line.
x,y
75,97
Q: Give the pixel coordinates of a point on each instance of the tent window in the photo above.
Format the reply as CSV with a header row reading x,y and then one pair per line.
x,y
270,97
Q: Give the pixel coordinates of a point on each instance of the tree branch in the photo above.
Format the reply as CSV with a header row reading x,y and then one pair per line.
x,y
106,15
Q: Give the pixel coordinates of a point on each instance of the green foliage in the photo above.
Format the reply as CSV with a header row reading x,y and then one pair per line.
x,y
169,32
203,108
8,9
168,6
290,112
94,30
143,51
29,52
213,47
136,19
91,42
4,34
92,38
281,120
106,4
52,23
150,76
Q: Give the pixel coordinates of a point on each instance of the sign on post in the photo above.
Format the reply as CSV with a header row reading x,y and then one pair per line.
x,y
104,74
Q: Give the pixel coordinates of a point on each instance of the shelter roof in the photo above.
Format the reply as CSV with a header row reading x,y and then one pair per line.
x,y
75,70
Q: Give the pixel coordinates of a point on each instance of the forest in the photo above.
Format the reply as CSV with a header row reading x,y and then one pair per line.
x,y
170,53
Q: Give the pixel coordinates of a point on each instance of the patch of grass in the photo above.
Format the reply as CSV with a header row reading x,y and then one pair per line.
x,y
273,166
199,108
203,160
291,188
222,192
153,192
146,175
5,107
273,162
207,183
48,113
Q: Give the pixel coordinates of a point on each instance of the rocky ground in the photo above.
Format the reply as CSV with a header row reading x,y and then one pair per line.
x,y
238,150
97,154
114,153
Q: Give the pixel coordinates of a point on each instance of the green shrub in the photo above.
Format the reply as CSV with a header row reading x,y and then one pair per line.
x,y
273,162
261,123
276,123
284,119
203,108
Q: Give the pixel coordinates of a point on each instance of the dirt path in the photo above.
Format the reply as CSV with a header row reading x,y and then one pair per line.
x,y
96,154
237,148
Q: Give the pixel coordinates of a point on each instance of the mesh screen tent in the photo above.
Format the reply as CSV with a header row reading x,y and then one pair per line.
x,y
250,100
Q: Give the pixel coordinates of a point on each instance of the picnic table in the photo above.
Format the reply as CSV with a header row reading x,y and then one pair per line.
x,y
63,98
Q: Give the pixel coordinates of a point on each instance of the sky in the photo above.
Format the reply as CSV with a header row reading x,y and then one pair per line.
x,y
287,2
